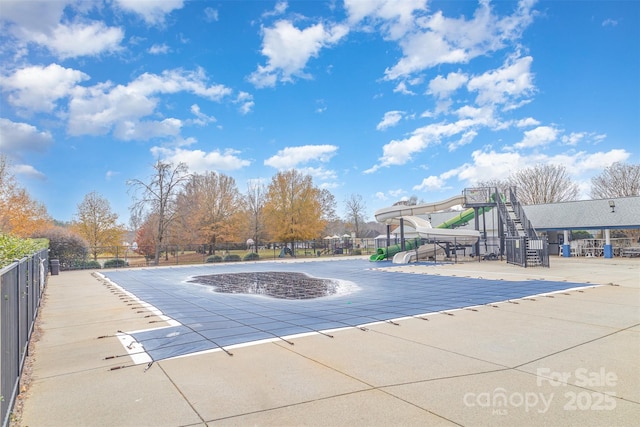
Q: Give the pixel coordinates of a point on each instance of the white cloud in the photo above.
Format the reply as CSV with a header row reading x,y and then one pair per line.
x,y
380,196
542,135
110,174
430,183
442,40
319,173
397,193
159,49
279,9
399,152
291,157
573,138
513,80
80,39
38,88
59,26
201,118
609,23
579,163
391,118
528,122
403,89
16,138
288,49
489,164
21,13
152,12
210,14
480,115
245,100
144,130
395,17
467,138
201,161
179,80
98,109
442,87
28,171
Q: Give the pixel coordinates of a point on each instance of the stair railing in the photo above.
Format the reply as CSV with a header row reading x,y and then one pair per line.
x,y
529,230
504,215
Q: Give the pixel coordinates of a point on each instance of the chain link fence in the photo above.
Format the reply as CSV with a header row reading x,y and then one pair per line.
x,y
176,254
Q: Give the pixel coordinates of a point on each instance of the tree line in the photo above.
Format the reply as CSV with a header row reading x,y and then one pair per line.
x,y
175,206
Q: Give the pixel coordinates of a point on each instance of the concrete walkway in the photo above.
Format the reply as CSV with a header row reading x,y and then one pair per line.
x,y
571,358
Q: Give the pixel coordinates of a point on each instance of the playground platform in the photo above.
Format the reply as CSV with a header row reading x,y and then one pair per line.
x,y
565,358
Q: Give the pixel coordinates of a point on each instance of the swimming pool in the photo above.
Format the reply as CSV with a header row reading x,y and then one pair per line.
x,y
204,319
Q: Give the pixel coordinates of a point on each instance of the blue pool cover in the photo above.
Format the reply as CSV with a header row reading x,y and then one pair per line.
x,y
210,320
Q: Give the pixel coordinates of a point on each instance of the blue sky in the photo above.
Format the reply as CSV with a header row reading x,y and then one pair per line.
x,y
385,99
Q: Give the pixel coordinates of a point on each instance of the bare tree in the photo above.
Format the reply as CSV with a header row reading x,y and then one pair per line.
x,y
355,211
159,197
328,205
97,224
255,200
544,184
7,180
618,180
501,185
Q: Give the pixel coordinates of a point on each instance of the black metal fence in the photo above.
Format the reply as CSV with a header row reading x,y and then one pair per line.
x,y
527,252
21,287
516,250
187,253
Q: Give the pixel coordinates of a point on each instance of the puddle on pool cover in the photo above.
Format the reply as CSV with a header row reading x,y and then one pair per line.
x,y
270,283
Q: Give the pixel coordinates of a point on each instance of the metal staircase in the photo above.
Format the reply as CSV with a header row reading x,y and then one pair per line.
x,y
523,245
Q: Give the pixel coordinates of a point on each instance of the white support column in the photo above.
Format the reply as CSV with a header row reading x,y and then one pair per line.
x,y
608,249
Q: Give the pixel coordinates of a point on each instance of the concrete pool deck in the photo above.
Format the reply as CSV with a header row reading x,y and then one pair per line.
x,y
570,358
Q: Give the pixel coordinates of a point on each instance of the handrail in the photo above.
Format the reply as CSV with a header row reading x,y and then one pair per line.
x,y
529,230
504,214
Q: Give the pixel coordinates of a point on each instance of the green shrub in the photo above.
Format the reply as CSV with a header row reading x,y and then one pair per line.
x,y
12,248
251,256
232,258
115,263
356,252
214,258
92,265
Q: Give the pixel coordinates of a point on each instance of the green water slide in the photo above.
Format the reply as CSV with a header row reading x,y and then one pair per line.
x,y
389,252
463,217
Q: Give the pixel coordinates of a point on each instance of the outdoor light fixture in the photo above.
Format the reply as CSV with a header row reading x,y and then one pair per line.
x,y
612,205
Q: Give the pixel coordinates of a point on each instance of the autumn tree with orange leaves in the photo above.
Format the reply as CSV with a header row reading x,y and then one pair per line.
x,y
97,224
211,206
20,215
293,207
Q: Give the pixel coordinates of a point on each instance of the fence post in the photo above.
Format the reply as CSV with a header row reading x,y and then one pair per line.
x,y
20,287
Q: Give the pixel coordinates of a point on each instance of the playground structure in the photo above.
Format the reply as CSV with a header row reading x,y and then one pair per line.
x,y
519,241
